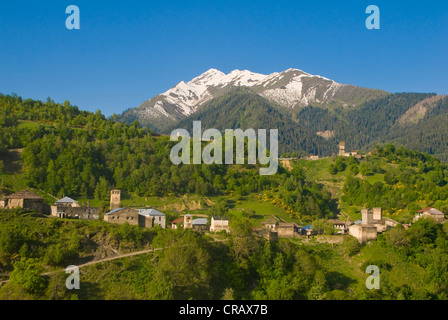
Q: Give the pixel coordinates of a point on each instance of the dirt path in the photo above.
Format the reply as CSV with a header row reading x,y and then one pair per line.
x,y
125,255
101,261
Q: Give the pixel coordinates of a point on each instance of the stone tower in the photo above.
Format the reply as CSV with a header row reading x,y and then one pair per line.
x,y
341,148
115,199
188,221
367,216
377,214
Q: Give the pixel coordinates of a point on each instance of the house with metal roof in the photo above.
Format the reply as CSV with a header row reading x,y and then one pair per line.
x,y
200,224
146,218
66,201
69,208
307,230
153,217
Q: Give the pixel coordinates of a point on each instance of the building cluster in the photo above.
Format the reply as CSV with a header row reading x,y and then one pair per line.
x,y
364,230
149,218
273,229
201,223
371,224
344,153
145,217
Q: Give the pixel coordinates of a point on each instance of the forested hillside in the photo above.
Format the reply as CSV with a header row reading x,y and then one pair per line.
x,y
189,265
244,109
62,150
413,120
84,155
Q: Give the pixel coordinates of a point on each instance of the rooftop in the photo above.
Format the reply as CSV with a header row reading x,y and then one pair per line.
x,y
269,221
24,194
432,210
337,222
200,221
116,210
181,219
150,212
66,200
218,218
287,225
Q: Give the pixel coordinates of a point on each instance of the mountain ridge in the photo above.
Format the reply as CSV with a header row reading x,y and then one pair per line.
x,y
312,113
290,88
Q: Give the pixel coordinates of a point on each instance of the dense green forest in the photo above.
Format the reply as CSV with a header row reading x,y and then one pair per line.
x,y
379,120
242,109
402,181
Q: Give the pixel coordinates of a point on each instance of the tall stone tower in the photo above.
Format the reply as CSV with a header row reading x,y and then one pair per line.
x,y
377,213
367,216
188,221
341,148
115,199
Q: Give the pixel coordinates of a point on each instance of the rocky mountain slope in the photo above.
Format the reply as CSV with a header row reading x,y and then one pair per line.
x,y
289,89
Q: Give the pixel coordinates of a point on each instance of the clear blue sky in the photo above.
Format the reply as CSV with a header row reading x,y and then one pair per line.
x,y
128,51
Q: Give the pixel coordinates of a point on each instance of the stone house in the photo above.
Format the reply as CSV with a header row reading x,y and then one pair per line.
x,y
200,224
145,218
363,232
153,217
123,215
69,208
83,213
287,230
26,200
270,223
307,231
343,153
175,223
340,226
283,229
66,202
431,212
217,224
372,223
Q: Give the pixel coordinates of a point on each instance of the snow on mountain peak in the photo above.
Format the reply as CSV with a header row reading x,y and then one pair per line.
x,y
286,88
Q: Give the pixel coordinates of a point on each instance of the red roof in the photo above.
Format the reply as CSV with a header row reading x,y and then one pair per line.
x,y
181,219
423,210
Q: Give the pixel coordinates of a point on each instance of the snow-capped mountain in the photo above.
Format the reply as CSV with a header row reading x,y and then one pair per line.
x,y
289,89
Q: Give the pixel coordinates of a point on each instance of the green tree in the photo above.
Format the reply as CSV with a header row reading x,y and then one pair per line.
x,y
350,246
27,273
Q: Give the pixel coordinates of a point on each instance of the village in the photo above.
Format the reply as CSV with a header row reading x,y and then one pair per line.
x,y
273,228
